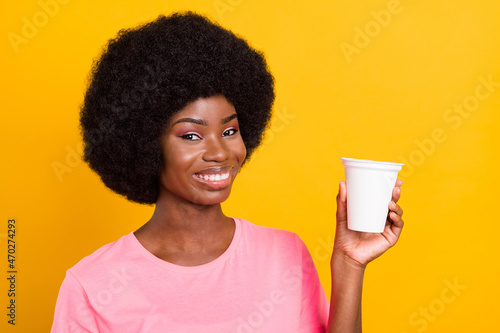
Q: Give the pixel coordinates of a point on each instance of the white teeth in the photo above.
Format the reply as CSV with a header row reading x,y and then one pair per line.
x,y
216,177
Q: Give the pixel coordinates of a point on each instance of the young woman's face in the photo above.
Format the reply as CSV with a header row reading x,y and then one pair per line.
x,y
202,151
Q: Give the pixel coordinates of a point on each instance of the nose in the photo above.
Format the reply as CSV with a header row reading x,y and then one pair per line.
x,y
216,149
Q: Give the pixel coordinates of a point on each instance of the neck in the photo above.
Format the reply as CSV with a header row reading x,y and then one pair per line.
x,y
182,222
186,233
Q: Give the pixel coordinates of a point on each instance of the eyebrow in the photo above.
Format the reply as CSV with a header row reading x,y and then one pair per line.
x,y
204,122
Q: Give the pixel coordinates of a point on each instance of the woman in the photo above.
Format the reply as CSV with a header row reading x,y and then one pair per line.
x,y
173,111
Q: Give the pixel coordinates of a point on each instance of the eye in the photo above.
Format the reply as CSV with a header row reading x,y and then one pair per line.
x,y
190,137
229,132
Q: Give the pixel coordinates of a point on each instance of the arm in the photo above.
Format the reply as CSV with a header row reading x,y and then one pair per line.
x,y
345,301
352,251
73,312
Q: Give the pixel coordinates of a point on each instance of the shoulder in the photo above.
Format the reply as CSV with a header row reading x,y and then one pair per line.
x,y
275,238
255,229
107,258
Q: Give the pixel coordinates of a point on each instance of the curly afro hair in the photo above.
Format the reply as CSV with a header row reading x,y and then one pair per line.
x,y
148,73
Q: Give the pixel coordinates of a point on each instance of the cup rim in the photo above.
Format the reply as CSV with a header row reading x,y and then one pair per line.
x,y
354,162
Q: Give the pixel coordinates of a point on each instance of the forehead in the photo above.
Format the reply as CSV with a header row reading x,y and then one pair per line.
x,y
208,108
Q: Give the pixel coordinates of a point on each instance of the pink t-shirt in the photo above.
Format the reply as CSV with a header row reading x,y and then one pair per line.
x,y
264,282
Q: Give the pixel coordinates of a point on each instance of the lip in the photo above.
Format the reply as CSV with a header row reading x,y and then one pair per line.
x,y
215,184
213,170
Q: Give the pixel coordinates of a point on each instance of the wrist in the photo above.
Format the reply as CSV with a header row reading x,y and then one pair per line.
x,y
346,293
341,261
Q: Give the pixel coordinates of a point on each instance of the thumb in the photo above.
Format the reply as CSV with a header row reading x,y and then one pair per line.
x,y
342,204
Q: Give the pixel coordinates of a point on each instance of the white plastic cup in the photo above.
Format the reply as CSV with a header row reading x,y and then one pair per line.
x,y
369,191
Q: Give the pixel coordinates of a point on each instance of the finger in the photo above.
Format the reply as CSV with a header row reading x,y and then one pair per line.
x,y
397,223
394,207
399,182
396,194
341,203
343,191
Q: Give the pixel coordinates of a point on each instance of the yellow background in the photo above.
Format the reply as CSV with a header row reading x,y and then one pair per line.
x,y
382,99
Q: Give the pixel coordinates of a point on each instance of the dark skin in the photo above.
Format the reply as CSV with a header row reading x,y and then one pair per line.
x,y
188,227
352,252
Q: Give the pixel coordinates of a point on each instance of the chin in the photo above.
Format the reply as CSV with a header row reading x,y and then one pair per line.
x,y
209,200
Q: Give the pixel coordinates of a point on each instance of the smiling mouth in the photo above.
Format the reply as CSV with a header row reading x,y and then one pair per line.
x,y
216,181
213,177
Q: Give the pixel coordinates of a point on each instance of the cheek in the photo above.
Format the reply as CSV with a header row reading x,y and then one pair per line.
x,y
241,151
176,162
179,159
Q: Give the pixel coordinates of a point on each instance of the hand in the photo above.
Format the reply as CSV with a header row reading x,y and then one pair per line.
x,y
362,247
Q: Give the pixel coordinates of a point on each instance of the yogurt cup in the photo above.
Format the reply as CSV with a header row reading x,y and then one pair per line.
x,y
369,191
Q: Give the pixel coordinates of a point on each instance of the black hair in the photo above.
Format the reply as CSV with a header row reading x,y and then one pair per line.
x,y
148,73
